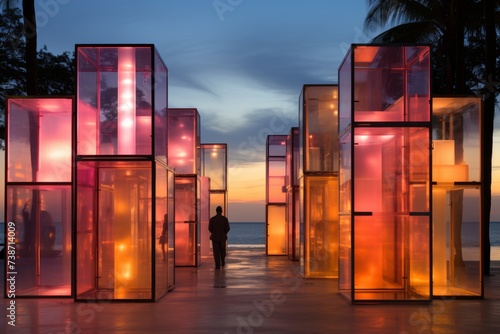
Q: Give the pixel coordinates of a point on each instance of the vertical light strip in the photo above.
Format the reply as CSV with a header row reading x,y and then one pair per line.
x,y
126,100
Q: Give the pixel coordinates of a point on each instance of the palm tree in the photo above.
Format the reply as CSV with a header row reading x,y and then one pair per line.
x,y
447,25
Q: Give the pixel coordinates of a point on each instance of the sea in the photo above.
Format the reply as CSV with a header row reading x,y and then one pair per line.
x,y
253,234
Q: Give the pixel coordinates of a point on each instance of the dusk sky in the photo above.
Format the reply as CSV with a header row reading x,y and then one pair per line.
x,y
241,63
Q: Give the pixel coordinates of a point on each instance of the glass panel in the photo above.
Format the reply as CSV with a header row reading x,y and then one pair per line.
x,y
161,232
276,146
456,243
214,165
114,107
419,258
276,192
185,221
39,139
388,162
379,84
456,122
121,239
345,239
183,140
321,226
160,104
345,256
345,93
42,238
205,214
276,229
85,229
293,222
124,233
171,228
321,128
418,83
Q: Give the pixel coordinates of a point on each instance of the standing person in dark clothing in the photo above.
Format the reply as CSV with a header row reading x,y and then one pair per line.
x,y
218,227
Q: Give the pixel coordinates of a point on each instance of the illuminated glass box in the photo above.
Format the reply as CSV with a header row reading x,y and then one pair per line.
x,y
184,140
456,197
276,236
214,166
385,174
124,192
292,193
38,196
187,220
121,101
318,176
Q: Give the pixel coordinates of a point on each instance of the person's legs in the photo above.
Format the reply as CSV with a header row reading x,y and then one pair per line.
x,y
223,253
216,246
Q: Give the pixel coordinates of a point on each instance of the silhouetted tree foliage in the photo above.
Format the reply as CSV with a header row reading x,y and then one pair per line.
x,y
464,38
56,72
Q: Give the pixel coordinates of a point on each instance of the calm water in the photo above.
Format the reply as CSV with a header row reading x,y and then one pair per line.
x,y
254,234
247,234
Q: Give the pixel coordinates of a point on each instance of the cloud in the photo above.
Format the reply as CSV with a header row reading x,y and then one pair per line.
x,y
246,139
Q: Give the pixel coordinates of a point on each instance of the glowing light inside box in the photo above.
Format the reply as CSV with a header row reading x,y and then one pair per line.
x,y
126,100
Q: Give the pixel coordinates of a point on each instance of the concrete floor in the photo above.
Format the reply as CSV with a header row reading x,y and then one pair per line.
x,y
256,294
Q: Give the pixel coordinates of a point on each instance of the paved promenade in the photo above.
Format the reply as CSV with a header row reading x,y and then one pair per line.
x,y
256,294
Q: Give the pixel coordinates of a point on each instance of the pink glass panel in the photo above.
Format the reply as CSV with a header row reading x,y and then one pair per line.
x,y
276,192
42,238
160,86
115,99
183,140
39,139
391,83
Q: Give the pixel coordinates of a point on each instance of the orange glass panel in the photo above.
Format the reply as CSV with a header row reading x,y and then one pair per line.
x,y
321,226
456,191
319,129
276,230
185,221
114,231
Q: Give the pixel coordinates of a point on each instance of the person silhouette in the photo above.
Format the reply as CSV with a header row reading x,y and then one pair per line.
x,y
219,227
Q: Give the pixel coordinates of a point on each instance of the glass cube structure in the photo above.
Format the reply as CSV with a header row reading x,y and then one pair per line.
x,y
123,196
385,174
214,166
292,194
318,177
38,196
456,197
276,236
121,101
188,220
184,140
